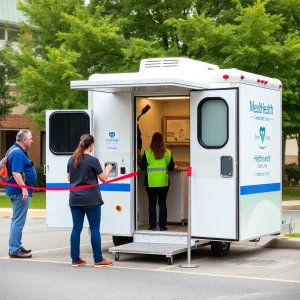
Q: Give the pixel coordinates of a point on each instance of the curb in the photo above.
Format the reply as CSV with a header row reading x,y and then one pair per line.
x,y
291,207
284,243
32,213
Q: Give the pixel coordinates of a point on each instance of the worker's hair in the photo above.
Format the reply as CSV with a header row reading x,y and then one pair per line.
x,y
157,145
85,141
22,134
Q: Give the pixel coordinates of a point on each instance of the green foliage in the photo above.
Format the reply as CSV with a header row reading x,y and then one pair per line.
x,y
41,178
292,172
71,41
6,99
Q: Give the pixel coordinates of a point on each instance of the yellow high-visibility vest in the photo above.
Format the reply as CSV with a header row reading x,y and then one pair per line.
x,y
157,169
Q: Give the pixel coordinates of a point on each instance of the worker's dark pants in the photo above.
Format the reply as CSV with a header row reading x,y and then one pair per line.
x,y
160,194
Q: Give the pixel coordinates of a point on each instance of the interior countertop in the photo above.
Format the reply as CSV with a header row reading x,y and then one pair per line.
x,y
179,168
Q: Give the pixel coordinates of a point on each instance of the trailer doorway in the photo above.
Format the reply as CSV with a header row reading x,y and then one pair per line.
x,y
164,113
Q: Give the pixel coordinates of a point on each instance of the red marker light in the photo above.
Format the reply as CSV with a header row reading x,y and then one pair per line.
x,y
242,76
262,81
225,76
189,171
119,207
280,86
266,82
258,80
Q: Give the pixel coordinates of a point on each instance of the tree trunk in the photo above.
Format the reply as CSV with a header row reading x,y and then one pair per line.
x,y
284,136
298,143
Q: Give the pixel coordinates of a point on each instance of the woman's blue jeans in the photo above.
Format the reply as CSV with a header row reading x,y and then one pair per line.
x,y
93,214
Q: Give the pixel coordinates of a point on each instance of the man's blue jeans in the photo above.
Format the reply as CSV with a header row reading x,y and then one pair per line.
x,y
19,209
93,214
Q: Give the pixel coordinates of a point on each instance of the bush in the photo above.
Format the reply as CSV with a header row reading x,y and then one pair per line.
x,y
41,178
292,173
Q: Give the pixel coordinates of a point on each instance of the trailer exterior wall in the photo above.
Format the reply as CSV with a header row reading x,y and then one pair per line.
x,y
259,162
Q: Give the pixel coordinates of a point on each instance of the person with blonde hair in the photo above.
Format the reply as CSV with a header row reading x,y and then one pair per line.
x,y
157,161
84,169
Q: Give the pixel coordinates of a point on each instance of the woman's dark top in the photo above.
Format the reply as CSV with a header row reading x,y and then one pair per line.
x,y
85,174
143,165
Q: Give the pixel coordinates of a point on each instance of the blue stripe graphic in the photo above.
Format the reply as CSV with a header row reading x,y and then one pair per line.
x,y
110,187
260,188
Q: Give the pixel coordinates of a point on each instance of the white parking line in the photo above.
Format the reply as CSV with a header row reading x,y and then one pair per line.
x,y
47,250
173,271
54,249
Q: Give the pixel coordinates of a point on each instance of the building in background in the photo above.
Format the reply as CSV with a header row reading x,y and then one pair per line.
x,y
9,30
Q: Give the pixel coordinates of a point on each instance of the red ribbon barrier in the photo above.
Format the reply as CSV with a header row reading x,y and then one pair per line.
x,y
79,187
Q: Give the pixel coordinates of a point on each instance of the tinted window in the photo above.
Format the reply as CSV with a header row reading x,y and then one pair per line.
x,y
213,123
65,130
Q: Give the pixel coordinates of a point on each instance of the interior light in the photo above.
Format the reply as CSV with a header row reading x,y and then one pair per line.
x,y
169,98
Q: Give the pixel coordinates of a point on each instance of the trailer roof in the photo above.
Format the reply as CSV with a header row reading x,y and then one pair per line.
x,y
172,76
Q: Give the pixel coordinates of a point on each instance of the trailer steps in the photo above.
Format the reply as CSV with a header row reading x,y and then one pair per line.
x,y
156,243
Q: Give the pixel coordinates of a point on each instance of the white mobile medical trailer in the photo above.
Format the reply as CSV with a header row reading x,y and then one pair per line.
x,y
234,152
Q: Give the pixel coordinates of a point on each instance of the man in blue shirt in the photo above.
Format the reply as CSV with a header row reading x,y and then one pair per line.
x,y
21,171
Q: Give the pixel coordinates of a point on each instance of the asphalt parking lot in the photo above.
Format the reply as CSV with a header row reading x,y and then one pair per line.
x,y
250,271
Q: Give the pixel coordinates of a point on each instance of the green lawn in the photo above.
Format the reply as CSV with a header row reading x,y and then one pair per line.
x,y
293,234
291,193
37,201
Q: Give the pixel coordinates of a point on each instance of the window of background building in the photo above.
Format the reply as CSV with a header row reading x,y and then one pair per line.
x,y
12,35
2,34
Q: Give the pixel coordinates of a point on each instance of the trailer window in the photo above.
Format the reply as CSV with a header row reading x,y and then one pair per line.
x,y
65,130
212,123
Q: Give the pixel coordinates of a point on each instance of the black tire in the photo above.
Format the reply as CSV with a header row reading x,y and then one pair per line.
x,y
121,240
220,249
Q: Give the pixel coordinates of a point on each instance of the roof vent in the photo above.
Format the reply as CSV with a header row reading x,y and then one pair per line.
x,y
173,65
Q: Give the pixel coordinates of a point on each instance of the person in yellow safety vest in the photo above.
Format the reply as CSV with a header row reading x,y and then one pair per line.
x,y
157,161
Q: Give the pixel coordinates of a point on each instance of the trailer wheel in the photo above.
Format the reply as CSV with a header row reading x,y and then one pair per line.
x,y
170,260
117,257
220,249
121,240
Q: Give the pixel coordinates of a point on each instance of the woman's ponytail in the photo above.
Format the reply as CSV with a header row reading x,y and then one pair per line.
x,y
85,141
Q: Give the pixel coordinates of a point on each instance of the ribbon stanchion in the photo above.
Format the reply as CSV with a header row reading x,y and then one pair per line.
x,y
81,187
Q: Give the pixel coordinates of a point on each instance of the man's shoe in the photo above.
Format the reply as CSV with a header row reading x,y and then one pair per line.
x,y
153,229
103,263
163,229
20,255
81,262
25,251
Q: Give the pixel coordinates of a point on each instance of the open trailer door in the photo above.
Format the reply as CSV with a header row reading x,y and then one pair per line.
x,y
214,162
63,131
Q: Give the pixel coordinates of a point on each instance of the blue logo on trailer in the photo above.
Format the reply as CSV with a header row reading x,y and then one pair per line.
x,y
262,134
112,134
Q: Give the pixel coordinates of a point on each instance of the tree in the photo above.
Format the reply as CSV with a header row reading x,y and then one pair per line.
x,y
6,99
61,42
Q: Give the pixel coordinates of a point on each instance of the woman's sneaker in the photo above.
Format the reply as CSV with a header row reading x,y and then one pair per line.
x,y
103,263
81,262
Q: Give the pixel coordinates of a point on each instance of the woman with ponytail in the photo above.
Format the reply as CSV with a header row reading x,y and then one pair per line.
x,y
84,169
